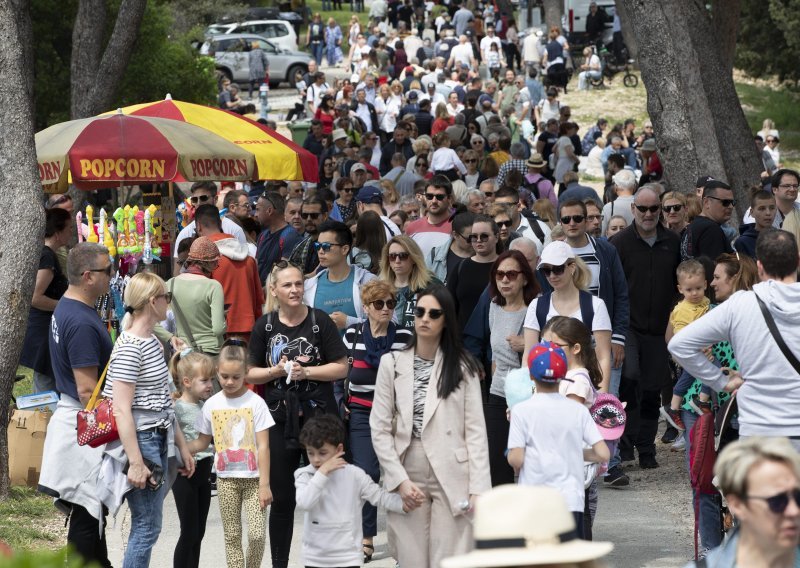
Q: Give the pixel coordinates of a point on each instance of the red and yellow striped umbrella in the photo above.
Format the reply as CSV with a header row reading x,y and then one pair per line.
x,y
276,156
105,151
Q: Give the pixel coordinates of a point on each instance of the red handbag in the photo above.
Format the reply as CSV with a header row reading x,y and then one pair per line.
x,y
96,423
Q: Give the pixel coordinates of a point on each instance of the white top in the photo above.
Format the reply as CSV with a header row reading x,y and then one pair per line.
x,y
446,159
234,422
387,112
486,44
577,382
620,206
314,94
547,110
601,321
228,227
462,54
553,430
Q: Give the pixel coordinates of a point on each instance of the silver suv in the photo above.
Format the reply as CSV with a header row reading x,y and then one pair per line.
x,y
231,53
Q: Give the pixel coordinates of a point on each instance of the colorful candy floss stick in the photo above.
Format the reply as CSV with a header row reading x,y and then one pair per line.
x,y
147,252
119,217
92,238
78,225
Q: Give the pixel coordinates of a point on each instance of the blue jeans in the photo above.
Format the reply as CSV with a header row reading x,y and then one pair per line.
x,y
365,458
316,52
146,506
684,383
613,388
709,523
630,156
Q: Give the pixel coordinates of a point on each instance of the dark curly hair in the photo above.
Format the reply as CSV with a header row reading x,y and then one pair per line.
x,y
325,429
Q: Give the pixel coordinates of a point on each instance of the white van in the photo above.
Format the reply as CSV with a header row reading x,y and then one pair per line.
x,y
279,32
575,12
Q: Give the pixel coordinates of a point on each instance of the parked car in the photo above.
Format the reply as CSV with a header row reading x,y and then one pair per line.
x,y
231,52
280,32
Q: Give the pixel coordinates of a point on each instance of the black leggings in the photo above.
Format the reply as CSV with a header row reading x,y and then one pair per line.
x,y
283,463
86,538
192,499
497,426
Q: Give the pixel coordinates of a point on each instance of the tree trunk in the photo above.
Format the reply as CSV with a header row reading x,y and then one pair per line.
x,y
21,232
725,18
96,72
553,11
698,119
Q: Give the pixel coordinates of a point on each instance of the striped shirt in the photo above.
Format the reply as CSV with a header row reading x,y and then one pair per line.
x,y
141,361
588,255
362,376
422,379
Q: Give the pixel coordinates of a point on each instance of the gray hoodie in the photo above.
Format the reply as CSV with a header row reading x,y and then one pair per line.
x,y
770,397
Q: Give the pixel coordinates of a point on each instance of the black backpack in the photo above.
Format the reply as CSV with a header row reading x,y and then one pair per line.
x,y
533,221
587,309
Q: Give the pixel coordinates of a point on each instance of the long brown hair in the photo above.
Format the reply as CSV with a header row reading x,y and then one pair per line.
x,y
574,332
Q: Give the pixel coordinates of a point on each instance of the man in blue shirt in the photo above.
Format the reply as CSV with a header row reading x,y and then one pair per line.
x,y
278,239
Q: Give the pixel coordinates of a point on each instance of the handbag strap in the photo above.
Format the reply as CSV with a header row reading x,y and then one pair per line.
x,y
773,329
98,387
176,307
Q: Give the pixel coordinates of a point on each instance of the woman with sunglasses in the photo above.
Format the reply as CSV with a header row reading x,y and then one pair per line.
x,y
137,382
430,436
673,204
366,343
327,173
760,479
512,286
469,279
297,353
569,277
344,208
502,216
473,177
403,265
447,256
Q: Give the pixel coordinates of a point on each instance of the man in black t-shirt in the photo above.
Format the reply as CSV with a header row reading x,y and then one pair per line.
x,y
704,235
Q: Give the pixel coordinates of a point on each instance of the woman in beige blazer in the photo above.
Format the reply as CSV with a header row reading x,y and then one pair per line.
x,y
429,435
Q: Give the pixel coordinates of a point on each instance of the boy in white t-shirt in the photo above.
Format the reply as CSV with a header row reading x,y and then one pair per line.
x,y
548,433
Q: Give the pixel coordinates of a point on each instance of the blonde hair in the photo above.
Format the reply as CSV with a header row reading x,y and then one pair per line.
x,y
558,234
138,293
441,111
694,206
271,303
676,195
582,276
420,275
738,458
546,211
192,363
390,191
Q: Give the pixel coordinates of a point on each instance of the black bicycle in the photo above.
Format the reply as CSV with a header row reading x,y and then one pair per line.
x,y
611,67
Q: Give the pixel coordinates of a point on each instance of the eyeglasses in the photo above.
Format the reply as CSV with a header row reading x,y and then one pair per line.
x,y
327,165
166,295
671,208
503,224
462,236
379,304
436,196
326,247
567,219
510,274
549,270
481,238
107,270
778,503
724,202
477,142
310,215
770,140
398,256
347,188
195,199
645,209
432,313
470,161
489,193
594,217
788,186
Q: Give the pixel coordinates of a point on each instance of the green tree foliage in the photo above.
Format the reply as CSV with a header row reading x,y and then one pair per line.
x,y
769,39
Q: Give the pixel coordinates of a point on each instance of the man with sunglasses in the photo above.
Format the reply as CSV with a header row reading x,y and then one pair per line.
x,y
202,193
704,235
434,228
760,478
277,239
650,254
532,228
314,213
79,350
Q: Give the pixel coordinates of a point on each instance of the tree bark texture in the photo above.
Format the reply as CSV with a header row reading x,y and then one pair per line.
x,y
725,17
22,229
553,11
97,71
698,119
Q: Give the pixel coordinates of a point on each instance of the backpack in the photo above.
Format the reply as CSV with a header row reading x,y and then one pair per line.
x,y
533,221
587,309
532,186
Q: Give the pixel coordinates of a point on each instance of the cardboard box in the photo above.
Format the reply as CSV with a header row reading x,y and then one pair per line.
x,y
26,434
41,401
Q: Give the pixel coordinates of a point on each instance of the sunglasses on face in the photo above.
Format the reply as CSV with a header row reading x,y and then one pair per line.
x,y
314,216
724,202
166,295
503,224
328,164
510,274
347,188
398,256
470,161
671,208
379,304
326,247
567,219
195,199
480,238
778,503
645,209
549,270
488,193
106,270
436,196
432,313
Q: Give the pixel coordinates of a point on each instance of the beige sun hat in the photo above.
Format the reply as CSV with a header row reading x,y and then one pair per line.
x,y
525,526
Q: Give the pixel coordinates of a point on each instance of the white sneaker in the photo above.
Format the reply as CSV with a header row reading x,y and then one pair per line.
x,y
678,445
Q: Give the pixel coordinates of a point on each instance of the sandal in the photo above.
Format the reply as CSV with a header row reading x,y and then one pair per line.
x,y
368,550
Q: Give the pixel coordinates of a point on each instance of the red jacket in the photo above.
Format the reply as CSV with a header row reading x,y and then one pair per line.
x,y
241,285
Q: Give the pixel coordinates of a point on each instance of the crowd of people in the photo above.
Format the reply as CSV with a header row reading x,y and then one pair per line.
x,y
353,343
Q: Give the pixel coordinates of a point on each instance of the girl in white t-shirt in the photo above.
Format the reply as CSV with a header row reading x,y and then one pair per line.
x,y
239,421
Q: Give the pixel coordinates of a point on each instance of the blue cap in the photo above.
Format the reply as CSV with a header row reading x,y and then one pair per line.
x,y
370,194
547,362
